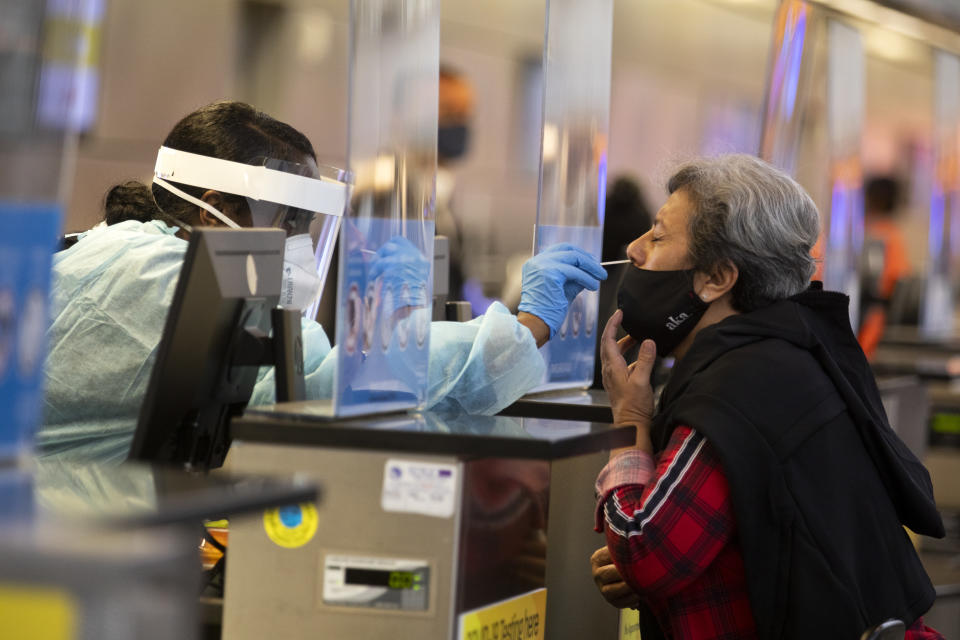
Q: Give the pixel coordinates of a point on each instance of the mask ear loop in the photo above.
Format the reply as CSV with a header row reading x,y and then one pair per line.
x,y
197,201
180,223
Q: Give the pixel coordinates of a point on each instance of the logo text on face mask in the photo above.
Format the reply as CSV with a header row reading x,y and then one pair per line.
x,y
287,292
673,323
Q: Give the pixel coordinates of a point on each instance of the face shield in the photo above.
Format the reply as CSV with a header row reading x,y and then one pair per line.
x,y
303,199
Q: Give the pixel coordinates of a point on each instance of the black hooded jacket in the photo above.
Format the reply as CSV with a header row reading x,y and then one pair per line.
x,y
819,481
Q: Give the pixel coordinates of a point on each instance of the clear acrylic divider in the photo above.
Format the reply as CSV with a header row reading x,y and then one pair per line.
x,y
816,60
936,313
788,71
573,166
843,232
386,242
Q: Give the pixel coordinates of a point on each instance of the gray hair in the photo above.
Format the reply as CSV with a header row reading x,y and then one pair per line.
x,y
756,217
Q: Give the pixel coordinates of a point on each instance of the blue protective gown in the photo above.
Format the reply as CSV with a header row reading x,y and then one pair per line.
x,y
111,292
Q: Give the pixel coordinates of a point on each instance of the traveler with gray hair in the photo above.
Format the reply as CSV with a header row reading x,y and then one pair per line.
x,y
765,494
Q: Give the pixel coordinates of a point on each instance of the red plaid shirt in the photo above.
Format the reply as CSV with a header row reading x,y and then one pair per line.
x,y
672,535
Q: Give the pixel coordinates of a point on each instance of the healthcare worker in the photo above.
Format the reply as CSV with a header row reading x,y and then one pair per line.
x,y
112,289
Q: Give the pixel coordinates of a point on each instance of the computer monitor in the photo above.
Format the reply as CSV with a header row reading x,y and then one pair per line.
x,y
216,336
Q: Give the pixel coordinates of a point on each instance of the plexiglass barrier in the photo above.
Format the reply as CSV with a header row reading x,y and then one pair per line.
x,y
843,233
818,61
936,315
573,166
782,113
45,48
386,243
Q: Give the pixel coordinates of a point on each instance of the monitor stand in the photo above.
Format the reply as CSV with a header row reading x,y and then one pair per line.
x,y
284,350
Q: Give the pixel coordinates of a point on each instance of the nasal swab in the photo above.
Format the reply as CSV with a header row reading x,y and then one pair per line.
x,y
607,264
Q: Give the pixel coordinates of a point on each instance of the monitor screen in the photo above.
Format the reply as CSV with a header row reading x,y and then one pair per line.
x,y
228,286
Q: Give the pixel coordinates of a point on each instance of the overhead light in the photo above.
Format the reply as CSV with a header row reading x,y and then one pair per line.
x,y
314,35
890,45
766,4
893,20
551,142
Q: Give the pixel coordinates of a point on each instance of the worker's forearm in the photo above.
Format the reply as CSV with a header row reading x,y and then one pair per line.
x,y
539,328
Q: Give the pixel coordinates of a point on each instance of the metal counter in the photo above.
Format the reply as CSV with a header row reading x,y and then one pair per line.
x,y
135,495
910,336
589,405
589,616
425,519
905,351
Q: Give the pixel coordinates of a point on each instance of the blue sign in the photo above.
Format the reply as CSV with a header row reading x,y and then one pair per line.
x,y
17,503
29,236
383,315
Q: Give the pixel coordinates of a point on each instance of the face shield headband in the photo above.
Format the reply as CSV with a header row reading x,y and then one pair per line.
x,y
297,198
256,182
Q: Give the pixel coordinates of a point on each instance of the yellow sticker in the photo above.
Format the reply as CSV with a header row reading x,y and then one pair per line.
x,y
291,526
71,41
629,624
37,613
519,618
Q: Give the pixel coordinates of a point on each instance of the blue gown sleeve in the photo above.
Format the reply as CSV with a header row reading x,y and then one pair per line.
x,y
478,367
484,365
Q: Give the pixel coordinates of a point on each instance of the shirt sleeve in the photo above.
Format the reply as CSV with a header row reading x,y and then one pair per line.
x,y
920,631
666,525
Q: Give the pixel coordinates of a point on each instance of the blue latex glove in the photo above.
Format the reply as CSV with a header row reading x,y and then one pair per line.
x,y
553,278
404,270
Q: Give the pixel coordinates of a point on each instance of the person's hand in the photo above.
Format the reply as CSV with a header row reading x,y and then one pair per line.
x,y
609,581
628,386
404,270
529,567
553,278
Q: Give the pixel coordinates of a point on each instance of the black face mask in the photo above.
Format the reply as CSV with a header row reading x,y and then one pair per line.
x,y
659,305
452,140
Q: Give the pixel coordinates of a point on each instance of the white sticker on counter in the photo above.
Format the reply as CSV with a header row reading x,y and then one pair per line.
x,y
426,488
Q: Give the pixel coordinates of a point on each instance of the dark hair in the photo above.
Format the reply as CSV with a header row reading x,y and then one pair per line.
x,y
132,200
626,217
881,195
227,130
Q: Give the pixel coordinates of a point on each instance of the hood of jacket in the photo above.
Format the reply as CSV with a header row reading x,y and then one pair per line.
x,y
818,322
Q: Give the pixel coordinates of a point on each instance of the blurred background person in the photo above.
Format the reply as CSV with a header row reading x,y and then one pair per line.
x,y
626,216
453,141
883,261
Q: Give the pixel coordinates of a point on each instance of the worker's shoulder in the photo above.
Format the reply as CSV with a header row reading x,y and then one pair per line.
x,y
130,246
150,231
153,235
